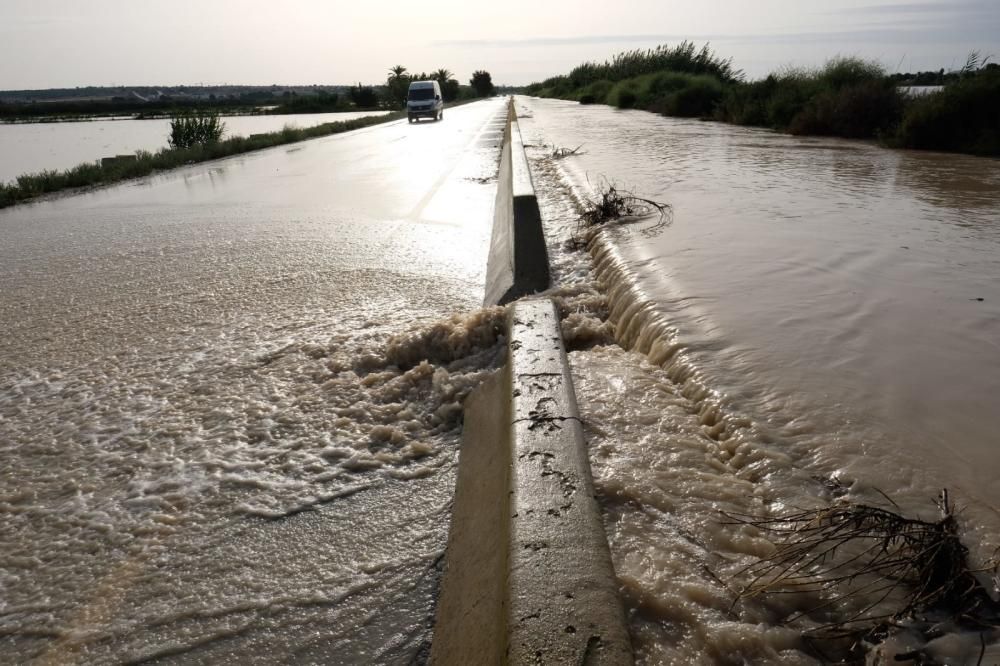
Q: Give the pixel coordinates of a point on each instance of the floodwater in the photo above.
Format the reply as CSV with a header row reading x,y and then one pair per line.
x,y
33,147
819,320
230,397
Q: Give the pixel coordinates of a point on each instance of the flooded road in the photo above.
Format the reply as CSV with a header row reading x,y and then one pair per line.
x,y
819,320
219,439
33,147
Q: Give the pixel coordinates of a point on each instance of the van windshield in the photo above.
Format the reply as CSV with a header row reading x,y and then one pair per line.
x,y
421,93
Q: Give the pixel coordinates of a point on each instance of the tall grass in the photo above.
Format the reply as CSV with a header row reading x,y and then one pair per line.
x,y
964,117
685,58
847,97
669,93
30,186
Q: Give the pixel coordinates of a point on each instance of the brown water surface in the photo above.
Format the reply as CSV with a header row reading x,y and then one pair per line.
x,y
819,314
219,442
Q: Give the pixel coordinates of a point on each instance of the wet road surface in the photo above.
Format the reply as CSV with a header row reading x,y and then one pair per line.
x,y
219,442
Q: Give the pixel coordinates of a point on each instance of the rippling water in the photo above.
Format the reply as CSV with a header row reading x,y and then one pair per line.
x,y
32,147
230,397
820,320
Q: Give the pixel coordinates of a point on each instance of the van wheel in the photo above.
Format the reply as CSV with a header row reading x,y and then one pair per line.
x,y
441,116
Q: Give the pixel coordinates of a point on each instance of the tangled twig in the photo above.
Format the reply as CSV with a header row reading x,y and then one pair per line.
x,y
622,205
560,153
894,569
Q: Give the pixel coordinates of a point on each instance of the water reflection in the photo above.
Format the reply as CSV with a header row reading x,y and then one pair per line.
x,y
822,314
966,184
834,275
33,147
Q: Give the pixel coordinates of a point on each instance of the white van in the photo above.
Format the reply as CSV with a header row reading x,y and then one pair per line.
x,y
423,100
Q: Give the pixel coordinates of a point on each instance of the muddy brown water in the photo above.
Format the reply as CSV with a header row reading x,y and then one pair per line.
x,y
820,320
220,443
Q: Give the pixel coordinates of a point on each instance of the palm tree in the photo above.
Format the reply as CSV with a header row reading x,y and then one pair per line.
x,y
396,73
398,83
442,76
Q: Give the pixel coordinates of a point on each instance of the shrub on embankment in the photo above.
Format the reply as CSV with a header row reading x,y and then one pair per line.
x,y
30,186
848,97
964,117
682,80
190,130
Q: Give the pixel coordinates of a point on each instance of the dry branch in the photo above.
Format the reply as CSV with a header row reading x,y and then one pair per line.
x,y
560,153
871,570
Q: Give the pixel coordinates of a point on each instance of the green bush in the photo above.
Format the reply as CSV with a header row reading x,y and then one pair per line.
x,y
624,95
482,82
695,97
596,92
663,83
843,72
963,117
363,97
790,93
557,86
746,104
187,131
847,97
685,58
860,111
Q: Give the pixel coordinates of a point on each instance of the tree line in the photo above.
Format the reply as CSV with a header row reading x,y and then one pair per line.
x,y
847,97
390,95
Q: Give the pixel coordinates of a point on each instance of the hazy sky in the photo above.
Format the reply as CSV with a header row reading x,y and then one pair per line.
x,y
65,43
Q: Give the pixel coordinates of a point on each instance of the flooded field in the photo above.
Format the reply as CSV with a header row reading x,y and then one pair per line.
x,y
817,321
32,147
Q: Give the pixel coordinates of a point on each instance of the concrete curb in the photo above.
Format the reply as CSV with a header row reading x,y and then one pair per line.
x,y
523,451
471,622
518,263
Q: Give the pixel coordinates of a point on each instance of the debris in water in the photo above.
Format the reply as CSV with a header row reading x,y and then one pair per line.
x,y
617,205
560,153
873,574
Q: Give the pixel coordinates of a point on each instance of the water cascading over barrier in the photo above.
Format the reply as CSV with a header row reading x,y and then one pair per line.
x,y
528,575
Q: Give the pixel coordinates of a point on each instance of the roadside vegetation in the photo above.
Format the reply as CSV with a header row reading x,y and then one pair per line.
x,y
144,102
848,97
323,102
188,131
398,83
89,174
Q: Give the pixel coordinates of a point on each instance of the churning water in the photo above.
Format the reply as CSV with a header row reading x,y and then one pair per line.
x,y
819,321
230,399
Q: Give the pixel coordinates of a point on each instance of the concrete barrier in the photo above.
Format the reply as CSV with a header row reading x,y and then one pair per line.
x,y
528,576
471,624
518,263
